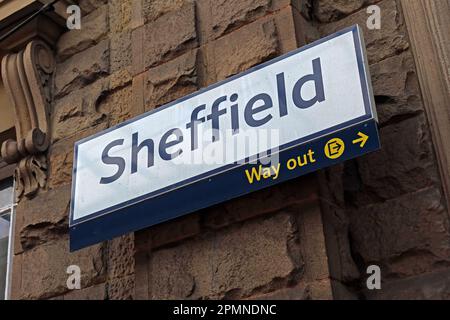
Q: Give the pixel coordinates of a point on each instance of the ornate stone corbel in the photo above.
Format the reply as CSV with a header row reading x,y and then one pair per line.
x,y
27,79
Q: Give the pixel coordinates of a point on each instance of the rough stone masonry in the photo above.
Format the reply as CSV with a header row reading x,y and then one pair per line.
x,y
311,238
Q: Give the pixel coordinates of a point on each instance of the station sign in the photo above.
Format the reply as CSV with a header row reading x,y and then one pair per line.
x,y
300,112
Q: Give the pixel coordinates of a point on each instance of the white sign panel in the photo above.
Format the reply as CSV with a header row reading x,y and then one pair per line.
x,y
297,97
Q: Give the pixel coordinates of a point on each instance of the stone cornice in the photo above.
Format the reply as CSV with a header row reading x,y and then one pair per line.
x,y
27,76
27,71
48,26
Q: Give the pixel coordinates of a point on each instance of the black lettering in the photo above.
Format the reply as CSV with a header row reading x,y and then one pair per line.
x,y
214,117
250,111
195,121
164,144
135,148
118,161
282,101
316,76
234,114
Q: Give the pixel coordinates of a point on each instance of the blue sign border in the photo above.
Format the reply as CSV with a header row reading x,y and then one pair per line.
x,y
369,114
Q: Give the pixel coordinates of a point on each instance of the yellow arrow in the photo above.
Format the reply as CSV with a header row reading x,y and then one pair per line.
x,y
362,138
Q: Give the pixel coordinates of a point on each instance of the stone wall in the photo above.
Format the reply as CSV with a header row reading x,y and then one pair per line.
x,y
310,238
387,208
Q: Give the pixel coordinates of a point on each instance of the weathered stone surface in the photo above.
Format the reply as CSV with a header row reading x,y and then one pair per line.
x,y
397,217
168,233
180,25
313,248
120,78
228,15
61,157
82,68
43,218
153,9
121,288
299,292
94,28
230,264
43,269
120,15
336,228
406,236
396,88
431,286
389,40
171,80
406,163
120,256
321,289
141,271
91,5
330,10
343,269
78,110
292,29
244,48
96,292
118,106
266,201
343,292
121,51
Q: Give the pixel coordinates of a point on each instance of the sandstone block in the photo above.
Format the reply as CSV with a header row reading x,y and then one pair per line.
x,y
406,163
61,157
430,286
180,25
78,110
121,256
171,232
171,80
117,106
120,78
96,292
48,277
82,68
406,236
91,5
389,40
230,264
153,9
121,51
94,27
120,15
266,201
299,292
331,10
121,288
228,15
396,87
43,218
240,50
292,29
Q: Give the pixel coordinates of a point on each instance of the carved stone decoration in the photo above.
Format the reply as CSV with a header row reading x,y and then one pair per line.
x,y
27,76
428,24
30,174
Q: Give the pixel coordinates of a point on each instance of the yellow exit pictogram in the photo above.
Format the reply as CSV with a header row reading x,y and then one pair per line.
x,y
334,148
